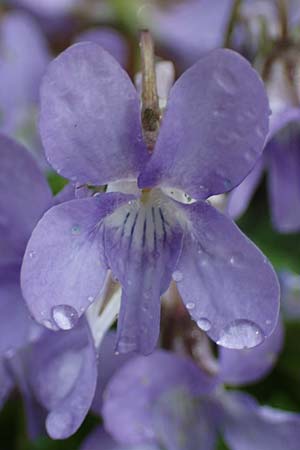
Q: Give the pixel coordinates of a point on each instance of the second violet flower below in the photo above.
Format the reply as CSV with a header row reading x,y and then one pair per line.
x,y
144,229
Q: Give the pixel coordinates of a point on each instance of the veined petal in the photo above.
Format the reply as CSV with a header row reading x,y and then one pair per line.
x,y
64,265
24,197
247,425
63,375
142,244
226,283
90,117
133,392
246,366
213,130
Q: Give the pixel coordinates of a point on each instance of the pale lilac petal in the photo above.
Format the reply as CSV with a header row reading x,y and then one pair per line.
x,y
64,264
111,40
190,29
142,244
95,137
239,199
108,363
247,366
226,283
24,197
283,152
248,426
182,420
213,130
23,60
63,374
15,323
100,440
134,390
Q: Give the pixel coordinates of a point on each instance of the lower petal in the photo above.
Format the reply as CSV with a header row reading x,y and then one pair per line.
x,y
226,283
64,264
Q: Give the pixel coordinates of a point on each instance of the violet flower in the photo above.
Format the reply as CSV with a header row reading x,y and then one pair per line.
x,y
211,135
281,160
166,400
99,439
23,59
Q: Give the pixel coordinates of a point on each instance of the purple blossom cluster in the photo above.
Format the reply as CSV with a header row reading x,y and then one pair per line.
x,y
131,294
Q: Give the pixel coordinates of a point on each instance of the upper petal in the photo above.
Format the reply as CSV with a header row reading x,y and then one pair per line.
x,y
24,197
247,426
226,283
249,365
90,117
142,244
214,128
63,375
64,264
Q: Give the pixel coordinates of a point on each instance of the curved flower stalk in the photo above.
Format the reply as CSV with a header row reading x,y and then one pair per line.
x,y
166,400
212,133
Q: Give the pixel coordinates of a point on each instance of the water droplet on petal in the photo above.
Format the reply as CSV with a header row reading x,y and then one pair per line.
x,y
190,305
32,254
241,333
65,316
76,230
90,299
268,322
204,324
177,276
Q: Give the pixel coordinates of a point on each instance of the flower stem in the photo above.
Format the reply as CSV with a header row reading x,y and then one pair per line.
x,y
150,105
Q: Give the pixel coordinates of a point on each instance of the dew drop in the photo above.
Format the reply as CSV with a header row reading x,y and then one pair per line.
x,y
76,230
268,322
177,276
240,334
190,305
47,324
32,254
90,299
65,316
204,324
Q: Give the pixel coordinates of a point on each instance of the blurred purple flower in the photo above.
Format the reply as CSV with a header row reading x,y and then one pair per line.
x,y
281,160
99,439
23,59
191,28
290,294
166,400
211,135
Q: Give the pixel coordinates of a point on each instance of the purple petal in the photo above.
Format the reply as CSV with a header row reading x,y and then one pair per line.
x,y
283,152
290,294
95,137
213,130
193,27
135,389
247,366
226,283
99,439
181,421
108,363
108,38
142,243
50,8
15,323
23,60
64,265
248,426
24,197
239,198
63,376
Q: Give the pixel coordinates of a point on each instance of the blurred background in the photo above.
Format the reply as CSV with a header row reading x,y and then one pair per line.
x,y
267,33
